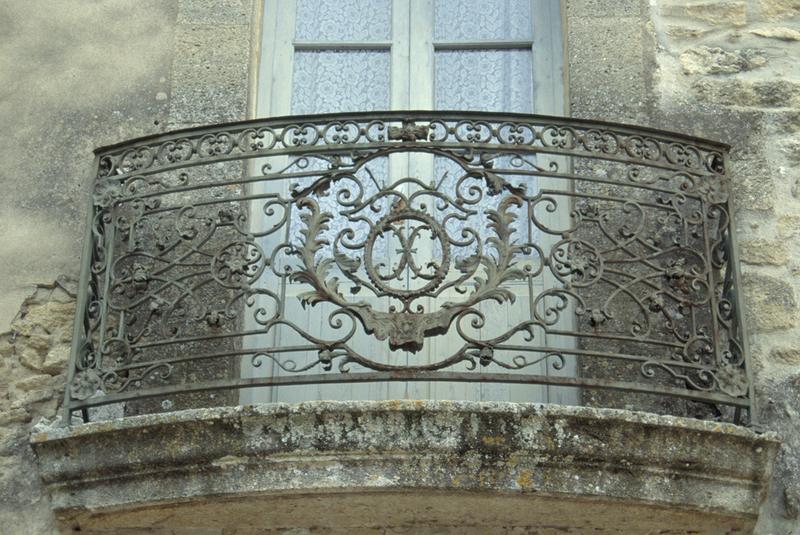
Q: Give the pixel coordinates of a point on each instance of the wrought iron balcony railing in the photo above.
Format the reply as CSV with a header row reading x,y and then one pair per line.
x,y
412,246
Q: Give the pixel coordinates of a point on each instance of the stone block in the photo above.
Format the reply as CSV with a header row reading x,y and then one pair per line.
x,y
763,252
605,8
758,93
778,10
718,13
11,416
777,93
790,147
6,347
48,317
210,74
789,226
753,186
33,383
55,362
742,128
606,84
714,60
770,302
682,31
782,34
785,122
215,12
33,396
785,355
31,351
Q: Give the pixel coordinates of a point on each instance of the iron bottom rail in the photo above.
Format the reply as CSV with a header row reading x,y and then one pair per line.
x,y
404,376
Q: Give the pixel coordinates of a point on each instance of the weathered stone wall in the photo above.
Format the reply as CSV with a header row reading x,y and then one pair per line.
x,y
33,358
729,71
73,76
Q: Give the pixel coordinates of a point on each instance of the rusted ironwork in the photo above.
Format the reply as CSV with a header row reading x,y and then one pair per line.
x,y
399,228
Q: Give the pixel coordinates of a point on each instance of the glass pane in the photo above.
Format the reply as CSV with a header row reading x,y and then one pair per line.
x,y
486,80
343,20
339,81
327,81
487,20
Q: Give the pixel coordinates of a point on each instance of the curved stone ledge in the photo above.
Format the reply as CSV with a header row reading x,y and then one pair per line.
x,y
405,462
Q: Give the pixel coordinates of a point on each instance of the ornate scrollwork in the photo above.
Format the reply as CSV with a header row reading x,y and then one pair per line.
x,y
406,328
519,230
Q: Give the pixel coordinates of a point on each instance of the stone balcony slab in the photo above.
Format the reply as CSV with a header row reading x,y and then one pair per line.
x,y
434,465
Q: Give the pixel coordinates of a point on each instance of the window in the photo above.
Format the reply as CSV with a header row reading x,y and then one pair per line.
x,y
358,55
337,56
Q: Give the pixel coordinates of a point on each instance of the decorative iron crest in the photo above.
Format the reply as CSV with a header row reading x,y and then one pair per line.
x,y
406,328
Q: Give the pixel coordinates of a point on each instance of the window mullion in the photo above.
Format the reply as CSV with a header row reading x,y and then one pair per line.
x,y
420,85
281,87
400,55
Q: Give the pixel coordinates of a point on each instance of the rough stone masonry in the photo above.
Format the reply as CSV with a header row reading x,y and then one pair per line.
x,y
731,70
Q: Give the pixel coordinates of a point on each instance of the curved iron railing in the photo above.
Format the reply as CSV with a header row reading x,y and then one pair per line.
x,y
411,246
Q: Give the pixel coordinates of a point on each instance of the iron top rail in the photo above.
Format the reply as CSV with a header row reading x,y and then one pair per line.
x,y
481,130
399,115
